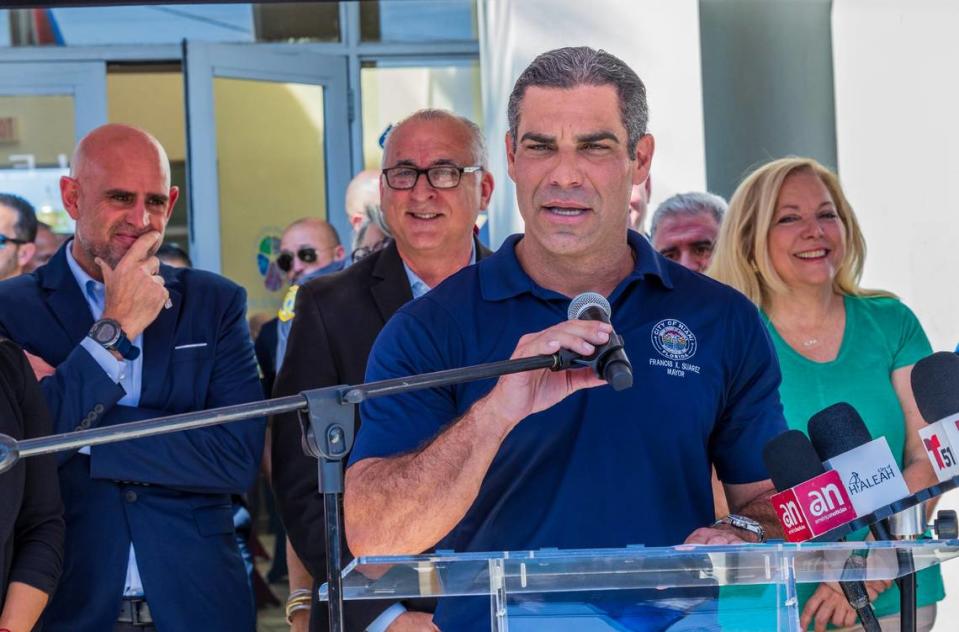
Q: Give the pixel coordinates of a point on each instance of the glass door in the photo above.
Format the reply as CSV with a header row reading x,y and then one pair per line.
x,y
268,143
45,108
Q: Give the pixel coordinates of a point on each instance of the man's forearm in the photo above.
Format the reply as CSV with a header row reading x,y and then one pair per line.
x,y
762,511
406,504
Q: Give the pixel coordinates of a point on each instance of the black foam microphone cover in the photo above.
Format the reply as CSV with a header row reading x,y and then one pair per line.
x,y
791,459
935,384
836,430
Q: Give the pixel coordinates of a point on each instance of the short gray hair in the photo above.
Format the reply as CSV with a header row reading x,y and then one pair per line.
x,y
583,66
688,204
480,156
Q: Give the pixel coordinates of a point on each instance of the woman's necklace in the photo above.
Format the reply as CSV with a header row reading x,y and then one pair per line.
x,y
805,340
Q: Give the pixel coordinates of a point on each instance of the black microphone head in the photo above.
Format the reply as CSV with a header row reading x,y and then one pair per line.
x,y
837,429
791,459
935,384
584,301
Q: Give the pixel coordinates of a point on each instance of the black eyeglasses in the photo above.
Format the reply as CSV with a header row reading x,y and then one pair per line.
x,y
404,178
4,240
306,254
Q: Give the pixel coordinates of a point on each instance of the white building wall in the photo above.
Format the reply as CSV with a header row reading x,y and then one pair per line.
x,y
898,146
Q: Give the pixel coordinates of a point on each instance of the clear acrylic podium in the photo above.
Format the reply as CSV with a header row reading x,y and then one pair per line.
x,y
674,586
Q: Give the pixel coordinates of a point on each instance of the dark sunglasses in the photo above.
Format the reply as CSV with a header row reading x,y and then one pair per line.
x,y
4,240
285,260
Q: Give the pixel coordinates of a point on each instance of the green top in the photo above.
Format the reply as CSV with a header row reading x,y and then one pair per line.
x,y
881,335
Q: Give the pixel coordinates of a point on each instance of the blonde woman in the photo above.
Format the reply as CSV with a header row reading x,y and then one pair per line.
x,y
792,244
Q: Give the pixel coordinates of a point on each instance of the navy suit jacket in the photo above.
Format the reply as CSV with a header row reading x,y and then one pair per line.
x,y
169,494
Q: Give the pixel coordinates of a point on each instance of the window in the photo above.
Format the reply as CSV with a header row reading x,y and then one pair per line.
x,y
393,89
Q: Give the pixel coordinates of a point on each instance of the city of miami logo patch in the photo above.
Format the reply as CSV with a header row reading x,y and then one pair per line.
x,y
673,339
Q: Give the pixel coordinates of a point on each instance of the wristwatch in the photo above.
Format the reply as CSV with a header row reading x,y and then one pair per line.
x,y
107,333
744,523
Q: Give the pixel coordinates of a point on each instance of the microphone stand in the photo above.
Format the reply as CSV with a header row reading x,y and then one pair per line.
x,y
908,525
328,434
856,595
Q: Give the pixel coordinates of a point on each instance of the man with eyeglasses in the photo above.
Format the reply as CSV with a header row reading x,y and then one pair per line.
x,y
309,247
18,231
433,185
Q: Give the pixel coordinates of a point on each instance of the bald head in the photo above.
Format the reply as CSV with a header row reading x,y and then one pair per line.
x,y
322,230
117,191
309,244
362,193
107,142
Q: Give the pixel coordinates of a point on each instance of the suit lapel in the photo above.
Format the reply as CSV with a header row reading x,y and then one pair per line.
x,y
391,287
158,339
65,298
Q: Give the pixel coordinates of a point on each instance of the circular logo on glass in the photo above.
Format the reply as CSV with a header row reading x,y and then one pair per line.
x,y
266,253
673,340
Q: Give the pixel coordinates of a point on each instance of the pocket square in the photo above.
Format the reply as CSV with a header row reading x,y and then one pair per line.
x,y
192,345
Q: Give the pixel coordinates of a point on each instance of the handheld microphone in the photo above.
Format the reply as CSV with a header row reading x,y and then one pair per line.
x,y
811,501
608,360
935,385
866,466
872,477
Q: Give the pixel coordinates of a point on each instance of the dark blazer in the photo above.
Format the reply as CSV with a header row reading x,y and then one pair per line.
x,y
31,515
265,347
337,320
169,494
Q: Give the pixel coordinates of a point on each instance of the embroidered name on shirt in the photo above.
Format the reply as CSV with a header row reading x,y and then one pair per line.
x,y
674,368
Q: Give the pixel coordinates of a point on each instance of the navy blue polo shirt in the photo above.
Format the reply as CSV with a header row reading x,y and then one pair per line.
x,y
601,468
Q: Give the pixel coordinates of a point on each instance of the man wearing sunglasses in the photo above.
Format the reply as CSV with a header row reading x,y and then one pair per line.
x,y
309,247
433,185
18,230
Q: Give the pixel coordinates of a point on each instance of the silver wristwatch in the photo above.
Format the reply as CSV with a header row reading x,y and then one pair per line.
x,y
744,523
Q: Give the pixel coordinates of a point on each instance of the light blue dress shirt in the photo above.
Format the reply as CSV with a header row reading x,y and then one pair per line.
x,y
418,286
127,373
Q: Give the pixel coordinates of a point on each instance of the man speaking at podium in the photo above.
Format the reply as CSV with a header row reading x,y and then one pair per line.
x,y
545,459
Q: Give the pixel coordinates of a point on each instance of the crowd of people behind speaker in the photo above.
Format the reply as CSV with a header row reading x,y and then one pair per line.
x,y
789,242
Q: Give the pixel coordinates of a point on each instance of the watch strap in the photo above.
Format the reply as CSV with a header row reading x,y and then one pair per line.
x,y
125,348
